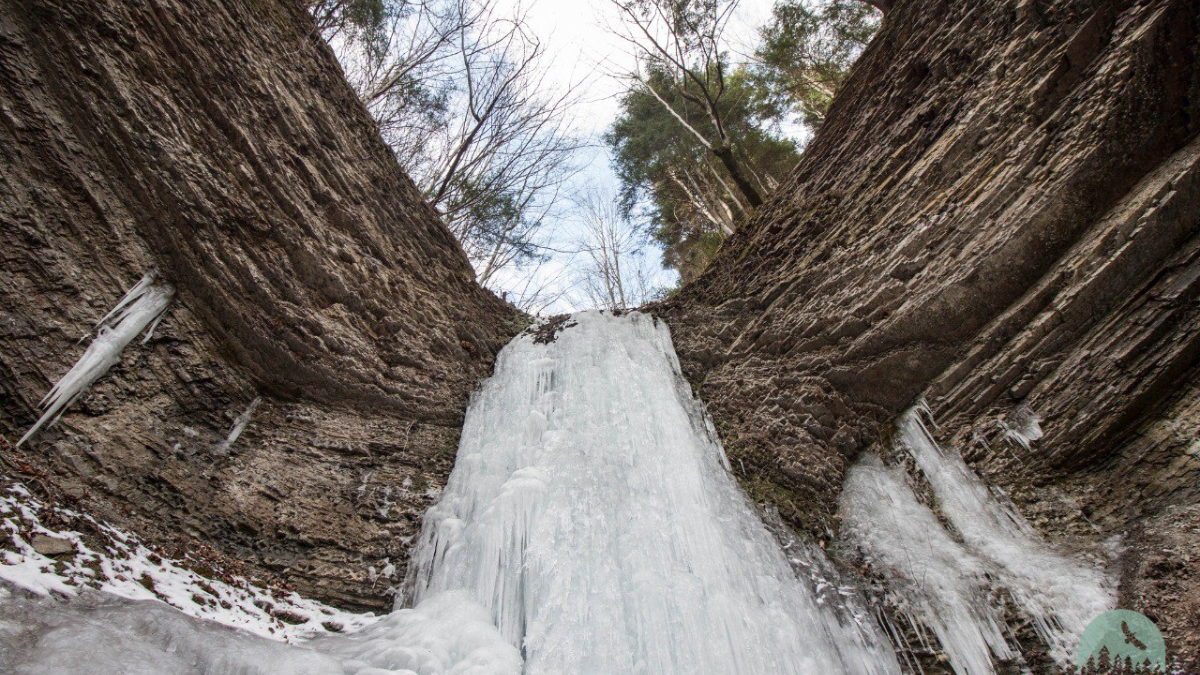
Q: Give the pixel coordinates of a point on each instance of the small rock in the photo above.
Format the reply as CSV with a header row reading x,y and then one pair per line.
x,y
52,546
74,490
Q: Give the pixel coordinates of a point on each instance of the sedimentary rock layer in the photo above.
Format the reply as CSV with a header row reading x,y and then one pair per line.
x,y
1000,214
219,143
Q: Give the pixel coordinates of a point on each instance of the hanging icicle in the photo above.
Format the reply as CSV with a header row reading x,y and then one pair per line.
x,y
144,305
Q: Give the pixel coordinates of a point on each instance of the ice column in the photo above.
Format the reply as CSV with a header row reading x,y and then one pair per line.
x,y
141,307
590,509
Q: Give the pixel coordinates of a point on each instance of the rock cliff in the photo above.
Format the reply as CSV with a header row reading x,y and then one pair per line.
x,y
1001,215
218,143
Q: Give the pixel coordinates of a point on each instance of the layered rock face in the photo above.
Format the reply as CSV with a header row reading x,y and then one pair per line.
x,y
218,143
1001,215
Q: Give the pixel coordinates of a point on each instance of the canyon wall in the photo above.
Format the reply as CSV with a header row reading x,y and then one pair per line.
x,y
1001,215
219,143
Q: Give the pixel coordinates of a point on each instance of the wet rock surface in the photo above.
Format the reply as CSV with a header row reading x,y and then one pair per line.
x,y
1000,215
219,143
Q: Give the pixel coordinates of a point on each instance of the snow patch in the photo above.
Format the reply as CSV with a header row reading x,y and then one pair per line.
x,y
128,610
126,568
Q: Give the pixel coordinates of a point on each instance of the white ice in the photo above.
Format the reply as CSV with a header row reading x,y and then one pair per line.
x,y
105,635
949,579
1060,593
141,307
590,527
933,580
120,609
239,425
591,511
1023,427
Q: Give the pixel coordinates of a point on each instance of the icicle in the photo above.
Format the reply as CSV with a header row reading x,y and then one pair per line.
x,y
592,511
931,576
142,306
132,295
1023,427
590,526
1061,595
239,425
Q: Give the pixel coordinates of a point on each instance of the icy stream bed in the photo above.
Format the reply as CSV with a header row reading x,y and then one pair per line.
x,y
590,527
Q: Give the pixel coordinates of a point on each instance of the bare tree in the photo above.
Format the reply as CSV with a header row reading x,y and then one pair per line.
x,y
682,40
542,285
509,148
458,89
615,274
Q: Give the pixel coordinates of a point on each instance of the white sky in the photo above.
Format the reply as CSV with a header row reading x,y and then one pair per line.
x,y
583,52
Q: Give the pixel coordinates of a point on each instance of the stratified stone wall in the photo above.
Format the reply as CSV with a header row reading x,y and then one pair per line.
x,y
1001,215
219,143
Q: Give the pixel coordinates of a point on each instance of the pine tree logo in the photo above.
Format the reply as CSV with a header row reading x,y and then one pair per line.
x,y
1124,640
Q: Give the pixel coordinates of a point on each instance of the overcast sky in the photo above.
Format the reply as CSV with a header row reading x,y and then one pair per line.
x,y
583,52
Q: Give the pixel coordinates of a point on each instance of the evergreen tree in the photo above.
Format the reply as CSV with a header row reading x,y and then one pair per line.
x,y
807,51
689,196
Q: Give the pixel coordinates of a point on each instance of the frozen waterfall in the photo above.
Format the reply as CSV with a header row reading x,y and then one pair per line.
x,y
591,510
590,527
954,580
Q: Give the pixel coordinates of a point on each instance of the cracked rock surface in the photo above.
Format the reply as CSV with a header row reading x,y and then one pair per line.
x,y
1001,215
218,143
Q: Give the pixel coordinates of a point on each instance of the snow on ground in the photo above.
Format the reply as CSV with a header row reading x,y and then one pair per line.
x,y
124,567
91,598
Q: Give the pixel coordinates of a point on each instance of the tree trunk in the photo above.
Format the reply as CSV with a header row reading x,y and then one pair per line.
x,y
725,154
884,6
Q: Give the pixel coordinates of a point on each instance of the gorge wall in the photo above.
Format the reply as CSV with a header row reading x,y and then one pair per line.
x,y
1001,215
218,143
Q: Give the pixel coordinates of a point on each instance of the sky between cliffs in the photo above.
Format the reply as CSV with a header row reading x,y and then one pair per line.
x,y
585,53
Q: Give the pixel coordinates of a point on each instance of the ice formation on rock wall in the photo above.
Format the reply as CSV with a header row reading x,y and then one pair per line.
x,y
590,526
947,580
143,306
591,511
934,581
1023,427
239,425
1059,593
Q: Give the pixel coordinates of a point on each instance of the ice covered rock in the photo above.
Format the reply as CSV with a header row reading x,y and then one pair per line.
x,y
592,512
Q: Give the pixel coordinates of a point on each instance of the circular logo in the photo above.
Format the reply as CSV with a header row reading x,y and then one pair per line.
x,y
1122,637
